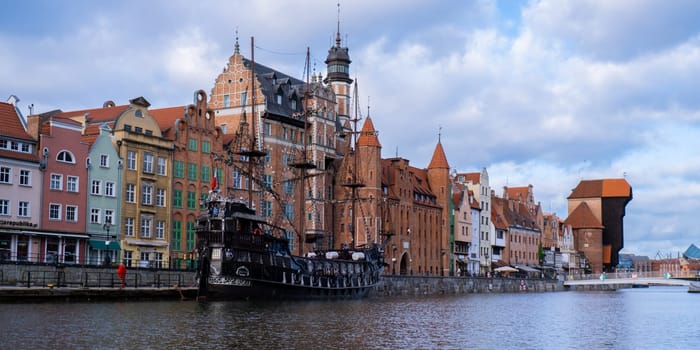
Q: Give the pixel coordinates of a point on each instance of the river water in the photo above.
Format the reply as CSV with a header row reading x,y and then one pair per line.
x,y
645,318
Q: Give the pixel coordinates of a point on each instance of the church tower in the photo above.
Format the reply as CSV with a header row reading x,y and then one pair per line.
x,y
338,75
440,184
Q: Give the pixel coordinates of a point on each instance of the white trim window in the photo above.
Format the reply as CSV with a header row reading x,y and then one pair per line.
x,y
25,177
109,189
104,161
23,209
54,211
4,207
130,193
56,182
160,229
65,157
72,213
72,183
129,227
96,187
109,216
148,163
5,175
160,197
146,225
95,216
131,160
162,166
147,193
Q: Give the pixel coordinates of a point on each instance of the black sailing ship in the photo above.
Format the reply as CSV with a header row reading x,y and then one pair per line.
x,y
242,256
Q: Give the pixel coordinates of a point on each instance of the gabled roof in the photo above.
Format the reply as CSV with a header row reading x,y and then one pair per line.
x,y
96,115
439,160
582,217
368,135
166,117
602,189
10,124
475,203
470,177
517,193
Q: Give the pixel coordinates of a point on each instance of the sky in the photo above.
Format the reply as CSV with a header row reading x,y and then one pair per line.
x,y
546,93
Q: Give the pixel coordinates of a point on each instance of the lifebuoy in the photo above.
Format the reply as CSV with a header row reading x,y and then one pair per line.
x,y
257,232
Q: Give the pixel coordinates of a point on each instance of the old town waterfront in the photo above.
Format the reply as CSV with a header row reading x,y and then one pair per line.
x,y
648,318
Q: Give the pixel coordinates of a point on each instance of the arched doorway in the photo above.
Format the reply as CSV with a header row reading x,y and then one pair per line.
x,y
404,266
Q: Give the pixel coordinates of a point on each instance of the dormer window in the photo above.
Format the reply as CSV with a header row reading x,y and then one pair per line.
x,y
65,157
294,104
279,98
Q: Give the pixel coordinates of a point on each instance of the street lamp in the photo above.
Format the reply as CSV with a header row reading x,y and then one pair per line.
x,y
442,258
107,259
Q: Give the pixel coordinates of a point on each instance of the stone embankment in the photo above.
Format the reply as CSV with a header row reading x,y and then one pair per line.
x,y
431,285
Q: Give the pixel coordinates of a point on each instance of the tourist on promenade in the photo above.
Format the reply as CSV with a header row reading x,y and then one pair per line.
x,y
121,272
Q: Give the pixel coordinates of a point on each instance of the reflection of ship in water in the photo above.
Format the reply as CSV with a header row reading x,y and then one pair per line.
x,y
243,255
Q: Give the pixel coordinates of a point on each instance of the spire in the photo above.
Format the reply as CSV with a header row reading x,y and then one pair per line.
x,y
439,160
337,33
368,135
236,47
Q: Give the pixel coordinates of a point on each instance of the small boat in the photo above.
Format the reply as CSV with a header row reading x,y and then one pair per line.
x,y
241,258
694,287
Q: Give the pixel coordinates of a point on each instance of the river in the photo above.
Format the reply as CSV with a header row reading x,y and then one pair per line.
x,y
644,318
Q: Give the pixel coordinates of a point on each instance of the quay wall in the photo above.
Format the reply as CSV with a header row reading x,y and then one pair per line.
x,y
438,285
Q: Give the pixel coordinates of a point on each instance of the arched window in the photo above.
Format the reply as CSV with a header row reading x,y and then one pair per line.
x,y
65,156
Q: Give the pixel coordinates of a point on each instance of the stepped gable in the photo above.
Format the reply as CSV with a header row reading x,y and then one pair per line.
x,y
10,124
368,135
498,216
582,217
439,160
602,189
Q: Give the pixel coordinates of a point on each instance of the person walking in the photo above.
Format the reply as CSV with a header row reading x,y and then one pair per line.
x,y
121,272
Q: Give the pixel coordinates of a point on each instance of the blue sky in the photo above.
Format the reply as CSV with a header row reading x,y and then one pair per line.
x,y
540,92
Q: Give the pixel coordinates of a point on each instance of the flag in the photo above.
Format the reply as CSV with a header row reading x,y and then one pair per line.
x,y
213,181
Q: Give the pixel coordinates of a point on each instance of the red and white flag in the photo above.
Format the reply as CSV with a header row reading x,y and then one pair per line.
x,y
213,181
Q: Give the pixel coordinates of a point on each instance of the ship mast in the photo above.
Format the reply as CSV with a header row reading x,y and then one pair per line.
x,y
354,184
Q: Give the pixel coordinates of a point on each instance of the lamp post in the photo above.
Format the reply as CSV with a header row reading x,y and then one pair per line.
x,y
442,258
107,258
393,259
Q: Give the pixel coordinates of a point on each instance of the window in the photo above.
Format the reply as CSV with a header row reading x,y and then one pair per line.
x,y
289,211
71,183
95,214
179,169
23,209
5,175
223,128
146,223
131,160
54,211
160,229
162,164
65,157
160,197
128,256
25,177
56,182
289,187
96,187
227,101
236,180
104,161
147,193
206,146
71,213
267,209
138,130
177,198
129,226
109,216
148,163
109,189
127,127
206,174
244,98
177,235
130,193
191,200
4,207
192,171
278,98
267,181
192,145
267,129
190,235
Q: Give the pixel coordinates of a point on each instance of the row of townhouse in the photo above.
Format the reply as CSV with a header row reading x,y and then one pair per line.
x,y
98,186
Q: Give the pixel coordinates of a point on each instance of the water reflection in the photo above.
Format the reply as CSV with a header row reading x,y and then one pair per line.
x,y
649,318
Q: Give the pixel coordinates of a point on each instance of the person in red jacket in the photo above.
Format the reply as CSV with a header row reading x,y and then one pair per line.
x,y
121,272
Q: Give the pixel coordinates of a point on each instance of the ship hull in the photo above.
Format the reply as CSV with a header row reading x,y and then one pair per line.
x,y
234,288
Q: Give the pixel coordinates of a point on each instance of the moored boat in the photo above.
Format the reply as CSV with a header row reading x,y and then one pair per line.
x,y
241,257
694,287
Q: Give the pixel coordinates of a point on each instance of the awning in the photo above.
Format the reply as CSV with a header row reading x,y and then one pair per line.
x,y
527,269
102,245
505,269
